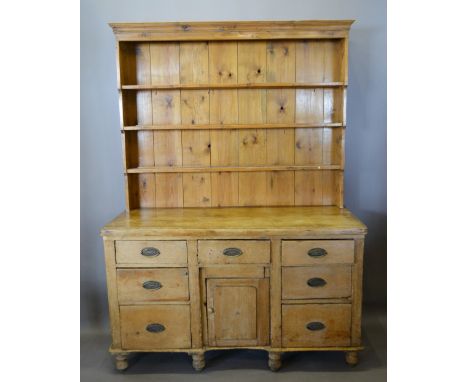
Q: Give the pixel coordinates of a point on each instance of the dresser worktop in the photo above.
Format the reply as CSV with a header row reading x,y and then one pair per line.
x,y
261,220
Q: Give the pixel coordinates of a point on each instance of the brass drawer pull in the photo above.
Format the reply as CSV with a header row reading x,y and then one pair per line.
x,y
150,252
152,285
232,252
155,328
315,326
316,252
316,282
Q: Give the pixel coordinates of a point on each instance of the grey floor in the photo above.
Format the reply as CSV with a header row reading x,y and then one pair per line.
x,y
242,365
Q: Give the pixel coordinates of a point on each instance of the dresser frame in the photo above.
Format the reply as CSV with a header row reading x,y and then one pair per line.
x,y
177,192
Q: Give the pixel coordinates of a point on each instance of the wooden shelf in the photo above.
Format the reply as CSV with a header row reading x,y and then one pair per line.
x,y
264,85
229,126
171,169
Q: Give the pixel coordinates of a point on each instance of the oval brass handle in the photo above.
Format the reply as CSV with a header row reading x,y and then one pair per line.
x,y
232,252
316,282
316,325
150,251
155,328
152,285
316,252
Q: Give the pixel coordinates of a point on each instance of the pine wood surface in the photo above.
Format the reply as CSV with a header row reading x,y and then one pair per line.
x,y
233,154
233,123
247,220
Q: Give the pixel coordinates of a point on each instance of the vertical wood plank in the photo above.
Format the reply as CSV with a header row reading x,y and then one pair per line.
x,y
195,104
332,146
281,62
224,109
193,62
225,189
332,105
333,60
252,61
111,277
164,63
203,292
275,296
169,190
309,109
356,310
252,188
308,188
279,188
310,61
195,301
197,189
222,62
147,190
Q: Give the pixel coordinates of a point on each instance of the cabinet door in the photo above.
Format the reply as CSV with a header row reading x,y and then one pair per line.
x,y
237,311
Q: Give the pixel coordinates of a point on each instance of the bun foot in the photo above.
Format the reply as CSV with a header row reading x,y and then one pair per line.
x,y
274,361
121,361
198,361
352,358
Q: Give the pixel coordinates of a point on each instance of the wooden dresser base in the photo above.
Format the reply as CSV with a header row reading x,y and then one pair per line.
x,y
272,279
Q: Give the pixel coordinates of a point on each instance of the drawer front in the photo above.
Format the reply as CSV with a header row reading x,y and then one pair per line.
x,y
234,251
145,285
149,327
151,252
320,281
307,252
316,325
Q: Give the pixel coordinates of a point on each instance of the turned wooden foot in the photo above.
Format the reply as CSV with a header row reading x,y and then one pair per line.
x,y
274,361
198,361
121,361
352,358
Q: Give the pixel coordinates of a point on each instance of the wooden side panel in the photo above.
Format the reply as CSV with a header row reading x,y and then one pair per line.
x,y
111,277
195,295
275,298
357,293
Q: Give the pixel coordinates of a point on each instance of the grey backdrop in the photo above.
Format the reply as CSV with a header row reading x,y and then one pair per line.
x,y
102,192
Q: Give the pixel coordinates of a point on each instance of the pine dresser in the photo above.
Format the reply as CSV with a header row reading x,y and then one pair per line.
x,y
235,234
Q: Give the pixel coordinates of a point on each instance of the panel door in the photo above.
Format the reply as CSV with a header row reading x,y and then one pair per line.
x,y
237,311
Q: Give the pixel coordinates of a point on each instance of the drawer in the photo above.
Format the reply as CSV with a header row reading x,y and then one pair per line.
x,y
316,325
151,252
307,252
146,285
234,251
147,327
320,281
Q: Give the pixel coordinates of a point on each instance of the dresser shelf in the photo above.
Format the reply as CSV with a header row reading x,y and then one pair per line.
x,y
231,126
175,169
257,85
